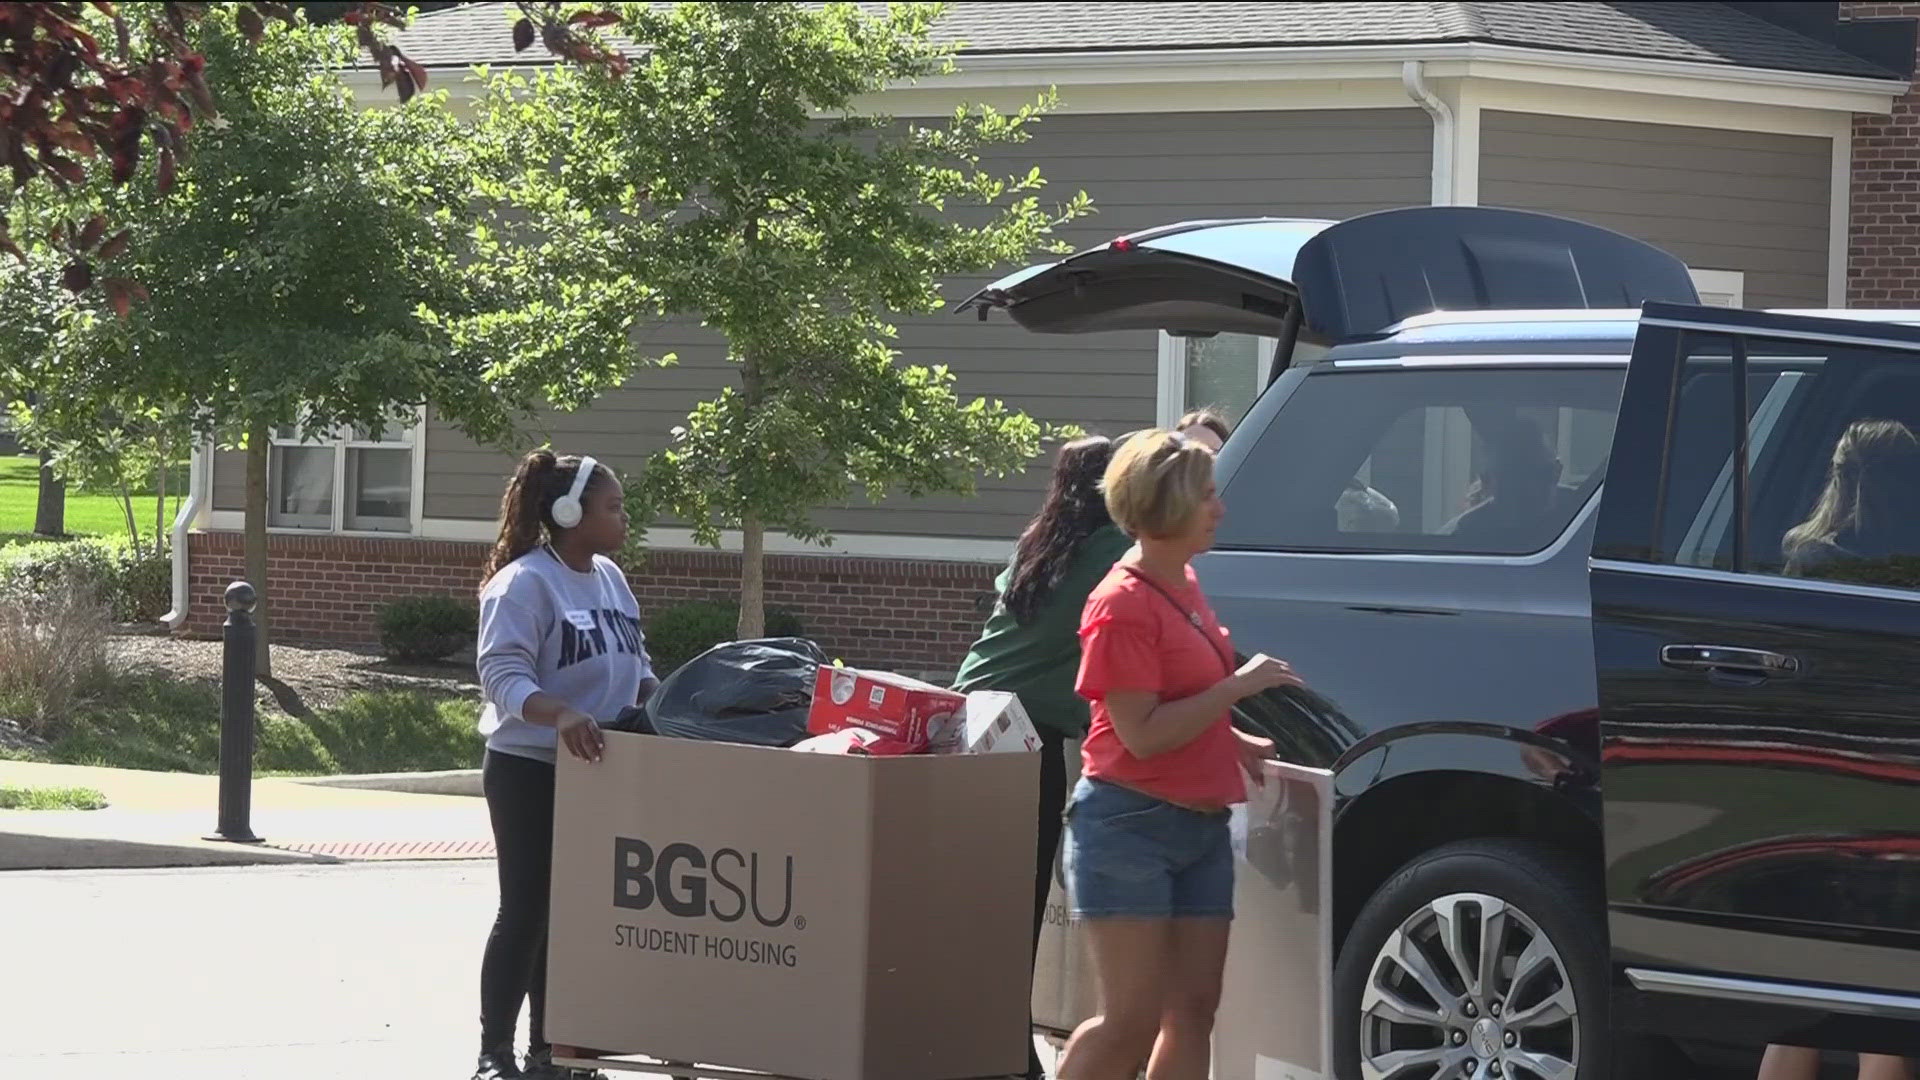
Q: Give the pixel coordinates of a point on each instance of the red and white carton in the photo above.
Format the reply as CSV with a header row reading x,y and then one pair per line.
x,y
994,723
902,709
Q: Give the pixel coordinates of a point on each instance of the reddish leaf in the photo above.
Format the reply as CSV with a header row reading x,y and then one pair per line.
x,y
594,19
523,35
405,80
125,158
116,245
201,96
95,229
78,277
250,23
67,169
7,245
119,296
165,178
414,68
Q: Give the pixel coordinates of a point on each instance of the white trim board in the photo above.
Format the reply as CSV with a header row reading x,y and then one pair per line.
x,y
854,545
1241,78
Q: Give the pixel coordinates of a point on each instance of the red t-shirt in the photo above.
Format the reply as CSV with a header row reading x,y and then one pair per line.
x,y
1134,637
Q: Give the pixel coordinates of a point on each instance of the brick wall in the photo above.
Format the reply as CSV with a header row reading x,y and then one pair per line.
x,y
1883,251
916,617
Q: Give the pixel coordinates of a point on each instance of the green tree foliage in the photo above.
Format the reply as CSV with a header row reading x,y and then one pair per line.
x,y
738,176
297,276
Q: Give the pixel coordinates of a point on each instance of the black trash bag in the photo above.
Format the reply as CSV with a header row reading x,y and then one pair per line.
x,y
752,692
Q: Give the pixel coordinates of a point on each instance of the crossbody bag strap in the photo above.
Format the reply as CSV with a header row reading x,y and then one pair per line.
x,y
1190,616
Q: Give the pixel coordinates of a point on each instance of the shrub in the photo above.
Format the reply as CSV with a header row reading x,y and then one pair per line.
x,y
677,634
53,652
51,798
133,584
416,628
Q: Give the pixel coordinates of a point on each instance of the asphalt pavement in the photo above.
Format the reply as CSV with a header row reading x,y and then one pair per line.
x,y
355,971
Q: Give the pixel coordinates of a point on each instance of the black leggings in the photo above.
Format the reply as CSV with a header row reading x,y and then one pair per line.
x,y
514,970
1053,803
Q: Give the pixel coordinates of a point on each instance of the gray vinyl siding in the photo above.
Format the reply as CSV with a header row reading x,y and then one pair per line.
x,y
1722,200
1141,171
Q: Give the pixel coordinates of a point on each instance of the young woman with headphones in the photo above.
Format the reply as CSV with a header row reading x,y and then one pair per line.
x,y
560,653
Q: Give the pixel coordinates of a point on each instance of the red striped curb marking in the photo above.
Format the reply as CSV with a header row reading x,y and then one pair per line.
x,y
391,849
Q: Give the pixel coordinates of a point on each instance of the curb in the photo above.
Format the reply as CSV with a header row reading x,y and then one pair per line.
x,y
452,782
44,851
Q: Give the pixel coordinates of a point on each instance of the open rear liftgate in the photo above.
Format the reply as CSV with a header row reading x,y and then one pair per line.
x,y
1273,1022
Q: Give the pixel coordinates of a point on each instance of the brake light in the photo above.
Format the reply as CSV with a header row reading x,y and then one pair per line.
x,y
1122,244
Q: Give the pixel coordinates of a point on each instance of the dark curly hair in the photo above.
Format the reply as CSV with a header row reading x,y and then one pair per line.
x,y
1074,510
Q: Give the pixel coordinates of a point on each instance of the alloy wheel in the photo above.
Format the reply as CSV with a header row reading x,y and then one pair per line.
x,y
1469,988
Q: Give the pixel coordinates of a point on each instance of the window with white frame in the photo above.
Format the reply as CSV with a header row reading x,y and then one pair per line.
x,y
1225,373
1720,288
345,480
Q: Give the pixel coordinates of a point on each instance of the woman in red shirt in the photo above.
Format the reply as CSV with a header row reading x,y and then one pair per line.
x,y
1148,853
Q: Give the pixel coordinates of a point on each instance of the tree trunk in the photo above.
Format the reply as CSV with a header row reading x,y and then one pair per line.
x,y
256,542
126,507
753,533
753,579
50,514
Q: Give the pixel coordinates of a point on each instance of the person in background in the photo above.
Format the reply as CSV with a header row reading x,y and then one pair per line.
x,y
1148,850
1865,511
1206,427
1031,644
560,652
1802,1063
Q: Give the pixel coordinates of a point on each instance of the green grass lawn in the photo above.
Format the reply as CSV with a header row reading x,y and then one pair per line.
x,y
41,798
152,720
88,513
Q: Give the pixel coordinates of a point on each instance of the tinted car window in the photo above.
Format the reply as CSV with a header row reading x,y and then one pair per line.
x,y
1468,461
1832,464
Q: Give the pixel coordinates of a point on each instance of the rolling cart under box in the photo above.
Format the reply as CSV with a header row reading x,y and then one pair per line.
x,y
809,916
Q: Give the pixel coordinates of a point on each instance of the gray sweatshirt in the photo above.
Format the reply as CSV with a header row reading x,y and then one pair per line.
x,y
545,627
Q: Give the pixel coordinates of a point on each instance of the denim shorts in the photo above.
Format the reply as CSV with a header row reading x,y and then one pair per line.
x,y
1133,856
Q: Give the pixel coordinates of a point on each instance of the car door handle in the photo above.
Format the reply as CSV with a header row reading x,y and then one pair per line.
x,y
1727,658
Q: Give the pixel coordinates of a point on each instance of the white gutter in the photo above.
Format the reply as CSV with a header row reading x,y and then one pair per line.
x,y
1803,89
202,463
1413,76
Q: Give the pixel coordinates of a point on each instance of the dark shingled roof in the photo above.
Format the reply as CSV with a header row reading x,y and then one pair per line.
x,y
1707,33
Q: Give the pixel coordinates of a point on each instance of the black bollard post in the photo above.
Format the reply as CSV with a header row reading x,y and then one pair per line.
x,y
236,717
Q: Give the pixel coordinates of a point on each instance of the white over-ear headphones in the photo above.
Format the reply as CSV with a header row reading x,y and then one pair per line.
x,y
567,510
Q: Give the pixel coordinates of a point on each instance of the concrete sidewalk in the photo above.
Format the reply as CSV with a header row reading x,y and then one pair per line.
x,y
162,819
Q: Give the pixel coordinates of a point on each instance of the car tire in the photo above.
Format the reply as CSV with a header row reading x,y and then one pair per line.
x,y
1548,916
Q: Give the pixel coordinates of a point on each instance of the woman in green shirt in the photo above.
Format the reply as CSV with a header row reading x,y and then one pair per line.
x,y
1031,644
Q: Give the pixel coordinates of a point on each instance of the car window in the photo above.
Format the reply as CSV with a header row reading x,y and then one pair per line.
x,y
1463,461
1832,463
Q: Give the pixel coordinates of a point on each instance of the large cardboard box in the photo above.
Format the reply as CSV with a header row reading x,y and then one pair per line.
x,y
818,916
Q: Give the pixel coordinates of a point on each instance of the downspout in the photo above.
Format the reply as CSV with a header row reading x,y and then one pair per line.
x,y
197,485
1413,76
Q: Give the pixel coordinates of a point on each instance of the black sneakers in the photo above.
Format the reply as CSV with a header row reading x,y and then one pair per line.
x,y
498,1065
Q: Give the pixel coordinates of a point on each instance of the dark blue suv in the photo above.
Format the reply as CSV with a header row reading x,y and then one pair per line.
x,y
1621,786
